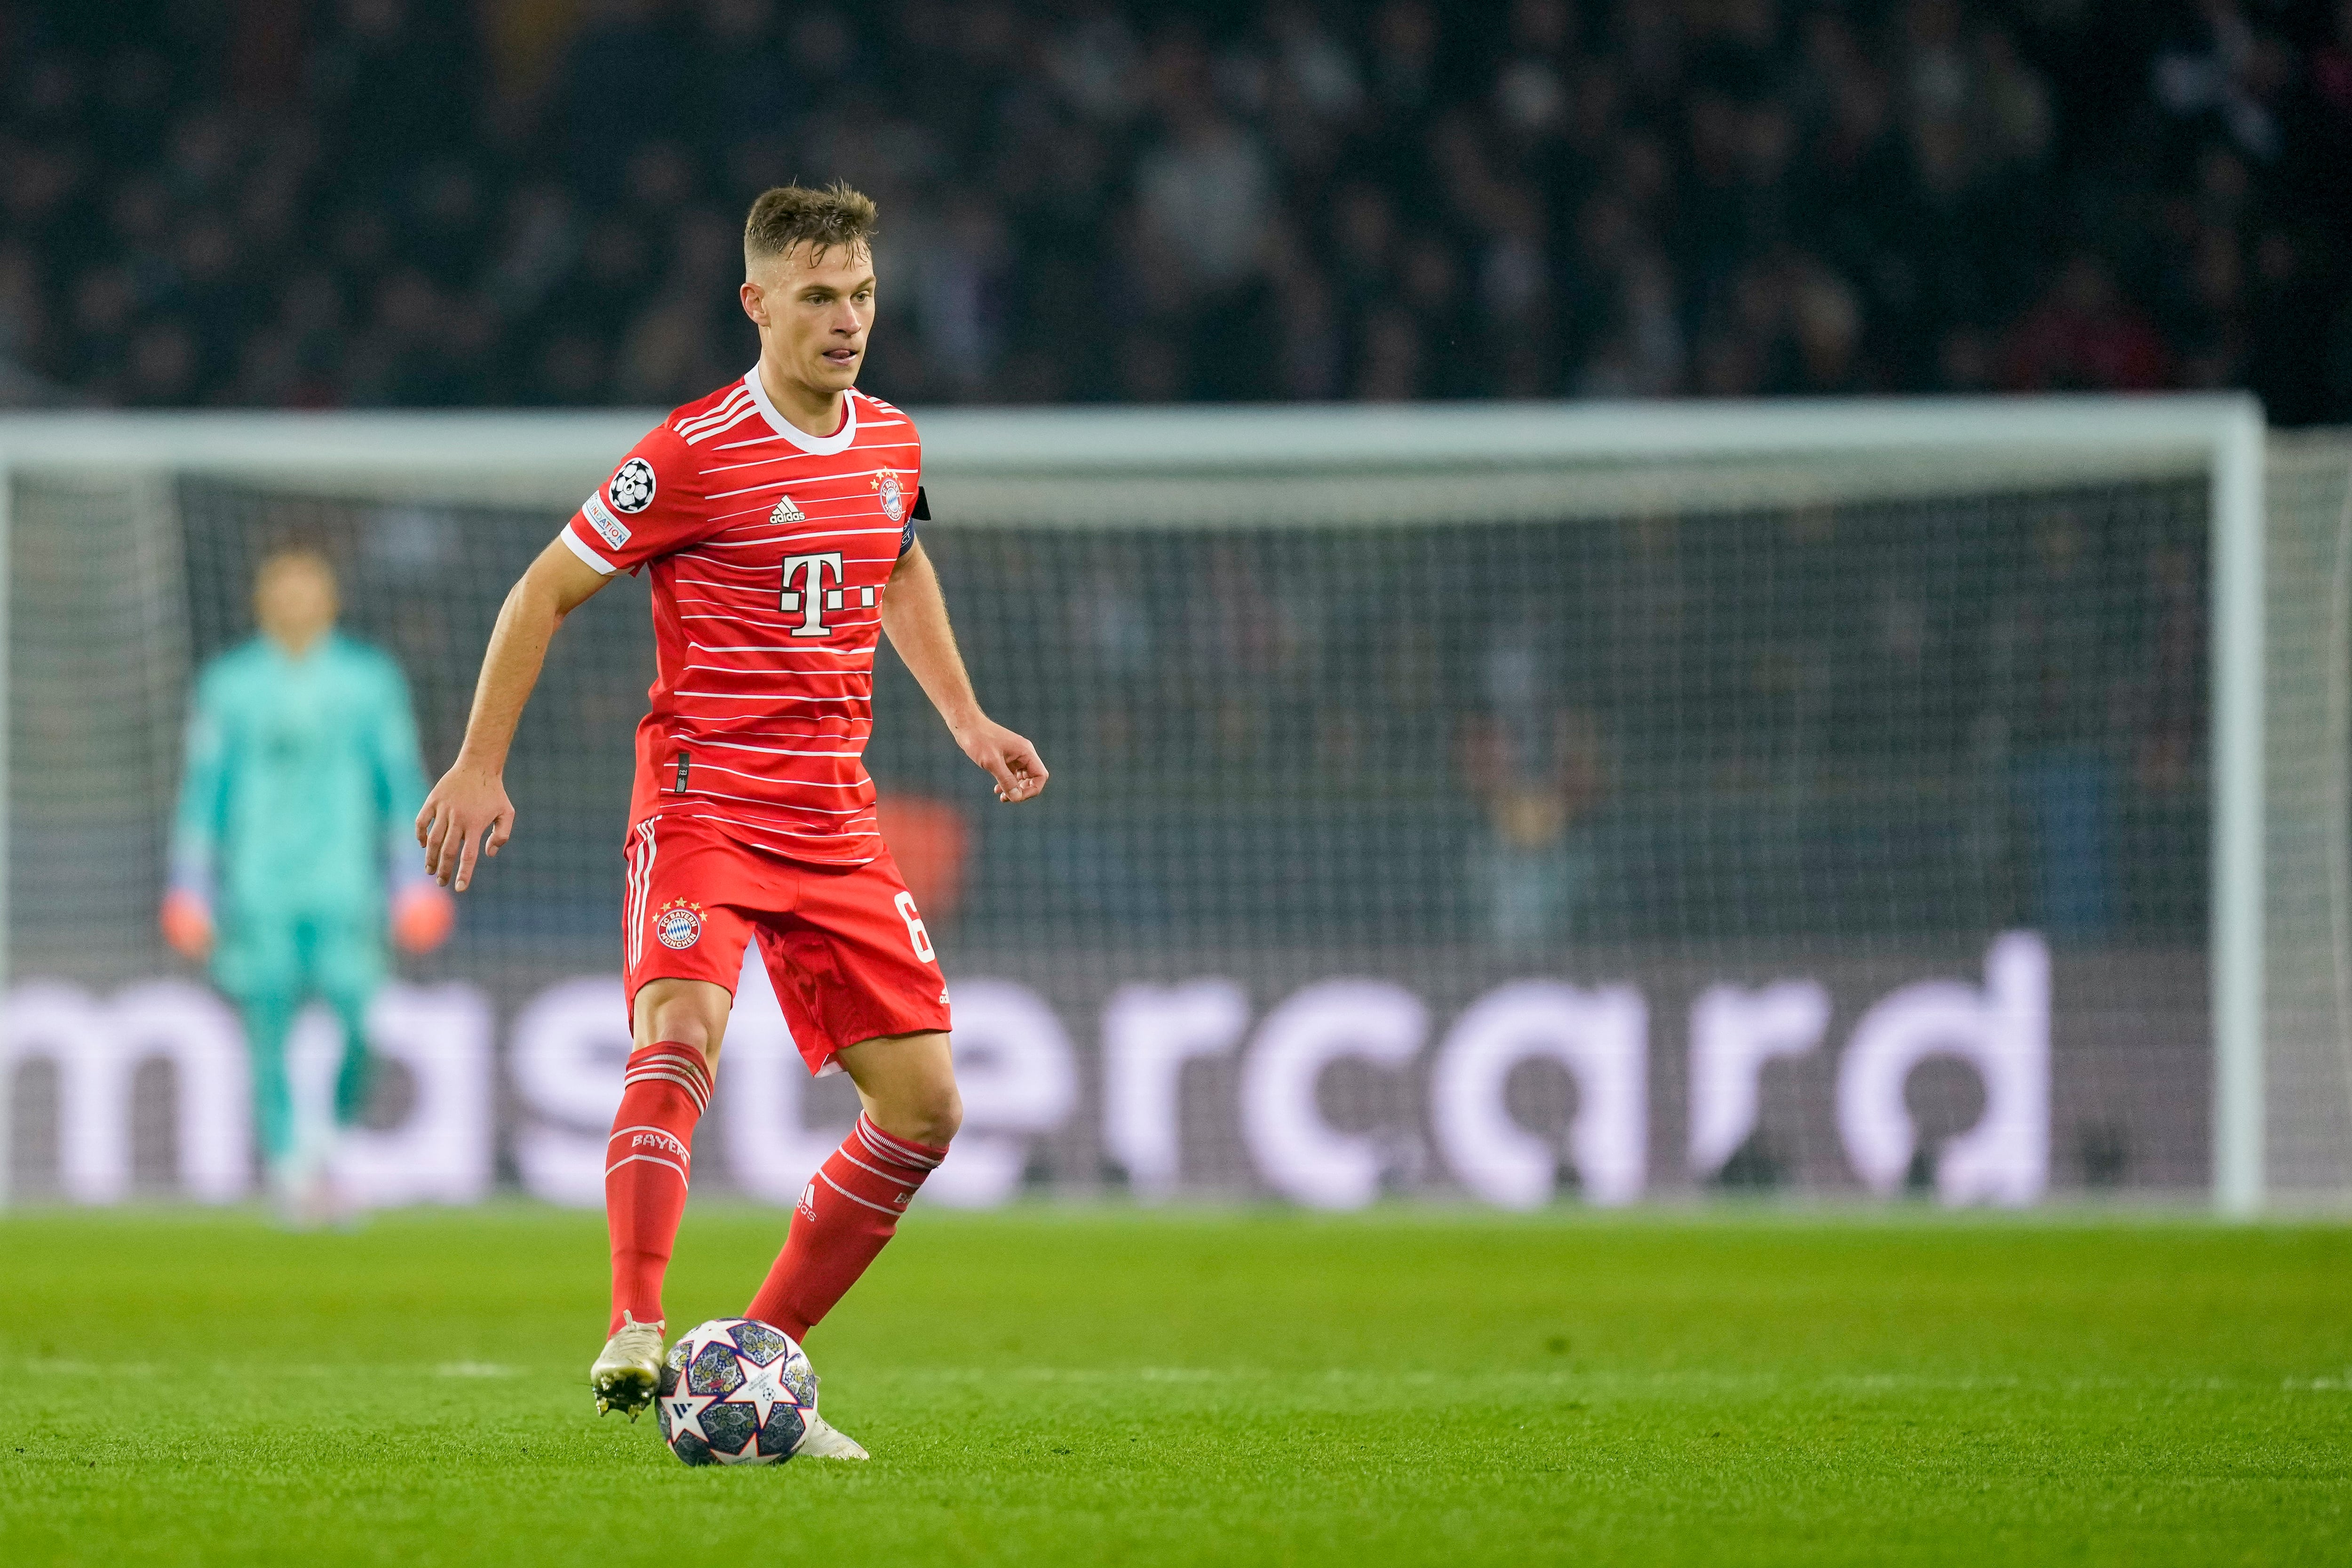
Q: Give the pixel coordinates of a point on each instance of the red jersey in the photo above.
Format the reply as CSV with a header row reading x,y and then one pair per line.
x,y
770,550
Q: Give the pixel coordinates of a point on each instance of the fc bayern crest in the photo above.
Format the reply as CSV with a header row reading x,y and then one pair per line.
x,y
631,488
679,924
893,494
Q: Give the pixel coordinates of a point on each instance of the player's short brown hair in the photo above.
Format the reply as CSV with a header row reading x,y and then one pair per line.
x,y
787,215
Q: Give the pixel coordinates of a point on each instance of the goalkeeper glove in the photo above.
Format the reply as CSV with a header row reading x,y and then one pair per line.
x,y
421,915
187,920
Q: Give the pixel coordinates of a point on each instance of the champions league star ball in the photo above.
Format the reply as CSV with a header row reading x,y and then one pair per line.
x,y
736,1392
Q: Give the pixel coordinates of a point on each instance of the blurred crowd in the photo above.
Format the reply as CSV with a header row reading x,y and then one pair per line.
x,y
393,203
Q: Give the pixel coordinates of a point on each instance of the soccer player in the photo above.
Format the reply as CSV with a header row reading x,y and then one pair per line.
x,y
777,517
301,780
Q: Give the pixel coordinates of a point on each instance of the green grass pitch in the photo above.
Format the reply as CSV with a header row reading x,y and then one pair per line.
x,y
1102,1386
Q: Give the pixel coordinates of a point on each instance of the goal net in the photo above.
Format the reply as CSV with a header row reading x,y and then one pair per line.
x,y
1509,804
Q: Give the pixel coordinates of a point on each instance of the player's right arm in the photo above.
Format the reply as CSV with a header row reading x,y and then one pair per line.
x,y
468,813
651,506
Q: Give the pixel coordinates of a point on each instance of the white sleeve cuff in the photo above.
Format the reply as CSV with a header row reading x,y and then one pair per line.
x,y
571,538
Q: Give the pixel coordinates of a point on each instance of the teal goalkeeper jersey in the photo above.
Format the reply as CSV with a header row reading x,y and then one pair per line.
x,y
302,782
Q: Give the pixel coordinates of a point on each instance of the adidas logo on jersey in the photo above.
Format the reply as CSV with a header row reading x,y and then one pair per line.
x,y
787,511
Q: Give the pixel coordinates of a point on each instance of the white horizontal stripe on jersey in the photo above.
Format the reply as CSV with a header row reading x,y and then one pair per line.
x,y
861,446
722,495
781,750
766,800
852,695
756,697
771,828
858,741
752,623
707,767
801,490
774,751
784,675
763,511
756,463
721,587
747,618
772,439
785,476
737,615
768,803
862,782
859,507
857,502
714,539
836,533
715,542
854,701
763,572
766,647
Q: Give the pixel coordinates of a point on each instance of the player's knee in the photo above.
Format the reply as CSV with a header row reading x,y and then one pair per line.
x,y
687,1014
938,1111
928,1111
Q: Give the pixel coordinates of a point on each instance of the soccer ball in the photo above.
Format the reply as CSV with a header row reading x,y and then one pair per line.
x,y
735,1391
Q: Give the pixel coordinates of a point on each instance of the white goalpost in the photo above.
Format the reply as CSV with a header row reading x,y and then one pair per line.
x,y
1697,705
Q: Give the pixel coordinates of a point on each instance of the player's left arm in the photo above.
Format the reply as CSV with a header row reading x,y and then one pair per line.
x,y
915,614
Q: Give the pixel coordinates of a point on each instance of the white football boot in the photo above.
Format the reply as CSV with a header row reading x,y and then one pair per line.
x,y
824,1440
627,1376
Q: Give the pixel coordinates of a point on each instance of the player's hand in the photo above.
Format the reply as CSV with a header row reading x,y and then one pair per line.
x,y
468,816
421,915
1009,759
187,922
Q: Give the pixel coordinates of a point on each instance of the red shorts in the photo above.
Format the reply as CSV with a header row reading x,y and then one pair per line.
x,y
847,953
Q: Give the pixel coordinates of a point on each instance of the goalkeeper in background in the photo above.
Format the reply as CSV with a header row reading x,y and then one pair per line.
x,y
302,783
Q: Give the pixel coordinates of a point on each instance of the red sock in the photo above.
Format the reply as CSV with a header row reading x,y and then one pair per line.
x,y
847,1211
646,1163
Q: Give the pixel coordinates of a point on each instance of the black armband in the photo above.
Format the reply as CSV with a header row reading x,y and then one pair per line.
x,y
920,510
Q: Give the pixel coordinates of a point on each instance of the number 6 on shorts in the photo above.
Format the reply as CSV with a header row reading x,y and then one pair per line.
x,y
905,903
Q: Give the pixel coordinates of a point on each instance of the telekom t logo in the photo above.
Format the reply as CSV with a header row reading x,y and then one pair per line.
x,y
813,598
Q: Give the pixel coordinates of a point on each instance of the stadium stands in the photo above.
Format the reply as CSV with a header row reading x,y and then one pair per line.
x,y
535,202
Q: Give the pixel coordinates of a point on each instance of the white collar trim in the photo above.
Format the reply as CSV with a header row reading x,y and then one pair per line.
x,y
815,446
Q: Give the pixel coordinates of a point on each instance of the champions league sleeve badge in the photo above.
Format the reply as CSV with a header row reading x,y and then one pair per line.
x,y
677,923
631,488
892,493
